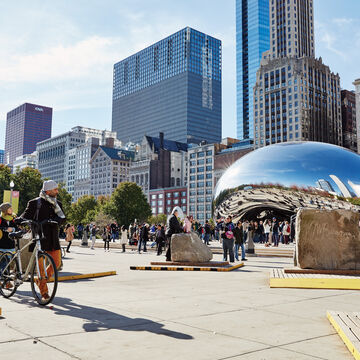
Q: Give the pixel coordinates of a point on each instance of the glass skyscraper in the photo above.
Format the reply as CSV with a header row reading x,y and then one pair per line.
x,y
25,126
172,86
252,39
2,156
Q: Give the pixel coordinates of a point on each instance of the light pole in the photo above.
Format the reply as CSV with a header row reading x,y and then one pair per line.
x,y
11,190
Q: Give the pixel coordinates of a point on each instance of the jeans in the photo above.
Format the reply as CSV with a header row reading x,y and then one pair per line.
x,y
106,244
276,239
206,239
142,242
237,246
228,246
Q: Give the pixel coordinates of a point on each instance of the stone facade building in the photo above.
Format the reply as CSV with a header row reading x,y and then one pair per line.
x,y
357,94
296,96
348,113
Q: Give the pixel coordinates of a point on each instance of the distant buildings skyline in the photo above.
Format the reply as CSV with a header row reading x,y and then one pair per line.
x,y
172,86
26,125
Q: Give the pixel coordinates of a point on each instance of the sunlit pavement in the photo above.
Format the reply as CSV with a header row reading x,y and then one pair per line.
x,y
172,315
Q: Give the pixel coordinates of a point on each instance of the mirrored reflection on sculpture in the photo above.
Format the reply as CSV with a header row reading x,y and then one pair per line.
x,y
279,179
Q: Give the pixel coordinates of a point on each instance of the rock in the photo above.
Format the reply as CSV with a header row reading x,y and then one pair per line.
x,y
328,239
189,247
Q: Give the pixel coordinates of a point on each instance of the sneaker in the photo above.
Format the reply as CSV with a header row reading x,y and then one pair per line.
x,y
45,296
244,259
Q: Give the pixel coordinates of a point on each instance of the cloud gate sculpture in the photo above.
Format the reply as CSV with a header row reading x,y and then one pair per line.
x,y
279,179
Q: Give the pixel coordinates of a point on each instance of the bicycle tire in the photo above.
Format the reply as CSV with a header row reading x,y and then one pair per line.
x,y
8,278
49,261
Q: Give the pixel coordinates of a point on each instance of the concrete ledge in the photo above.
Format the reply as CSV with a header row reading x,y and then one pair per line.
x,y
185,268
348,328
85,276
184,263
279,279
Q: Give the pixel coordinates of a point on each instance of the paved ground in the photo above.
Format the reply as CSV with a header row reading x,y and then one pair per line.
x,y
173,315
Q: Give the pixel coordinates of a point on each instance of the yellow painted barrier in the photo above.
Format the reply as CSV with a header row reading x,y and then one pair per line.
x,y
316,283
184,268
351,342
85,276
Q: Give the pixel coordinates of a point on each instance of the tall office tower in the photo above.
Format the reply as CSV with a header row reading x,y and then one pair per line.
x,y
357,95
348,114
173,86
252,39
25,126
296,96
2,156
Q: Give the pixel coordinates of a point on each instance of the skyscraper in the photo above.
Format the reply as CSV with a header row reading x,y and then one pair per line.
x,y
2,156
252,39
173,86
348,115
357,100
25,126
296,96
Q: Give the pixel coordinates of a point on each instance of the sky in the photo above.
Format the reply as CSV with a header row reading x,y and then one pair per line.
x,y
61,53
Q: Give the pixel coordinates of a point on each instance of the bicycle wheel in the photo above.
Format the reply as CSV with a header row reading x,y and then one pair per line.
x,y
8,272
44,279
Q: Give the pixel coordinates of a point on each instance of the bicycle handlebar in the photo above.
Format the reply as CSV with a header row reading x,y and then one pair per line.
x,y
33,222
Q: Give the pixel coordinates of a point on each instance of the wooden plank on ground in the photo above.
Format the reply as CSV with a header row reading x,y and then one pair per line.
x,y
346,325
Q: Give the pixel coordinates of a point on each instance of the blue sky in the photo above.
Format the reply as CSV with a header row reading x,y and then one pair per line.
x,y
61,53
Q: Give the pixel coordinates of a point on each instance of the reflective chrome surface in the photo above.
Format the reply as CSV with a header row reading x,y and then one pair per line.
x,y
279,179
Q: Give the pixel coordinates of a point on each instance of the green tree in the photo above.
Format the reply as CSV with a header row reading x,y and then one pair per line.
x,y
157,219
79,210
29,183
128,203
5,178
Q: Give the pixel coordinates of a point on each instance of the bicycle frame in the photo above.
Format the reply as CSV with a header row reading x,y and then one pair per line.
x,y
34,257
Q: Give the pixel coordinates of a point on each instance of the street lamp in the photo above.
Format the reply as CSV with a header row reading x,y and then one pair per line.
x,y
11,190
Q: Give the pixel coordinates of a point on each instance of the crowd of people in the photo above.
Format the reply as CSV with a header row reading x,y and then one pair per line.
x,y
232,236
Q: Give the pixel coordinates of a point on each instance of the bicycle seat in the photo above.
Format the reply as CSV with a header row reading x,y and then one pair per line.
x,y
16,235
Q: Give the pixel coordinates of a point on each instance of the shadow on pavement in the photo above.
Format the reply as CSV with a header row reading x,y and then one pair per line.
x,y
98,319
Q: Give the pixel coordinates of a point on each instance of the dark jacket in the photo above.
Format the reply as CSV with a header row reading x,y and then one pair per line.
x,y
46,212
160,236
5,241
239,235
174,226
144,234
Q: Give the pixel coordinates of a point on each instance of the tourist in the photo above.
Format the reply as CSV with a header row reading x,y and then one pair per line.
x,y
275,232
207,232
160,238
286,232
123,237
188,224
80,229
228,239
144,237
106,237
69,235
267,229
173,227
114,231
239,241
93,236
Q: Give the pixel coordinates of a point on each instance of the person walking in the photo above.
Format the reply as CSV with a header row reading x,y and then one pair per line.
x,y
275,232
239,241
160,238
286,232
47,207
144,237
228,239
69,235
93,236
173,227
207,232
80,229
123,237
106,237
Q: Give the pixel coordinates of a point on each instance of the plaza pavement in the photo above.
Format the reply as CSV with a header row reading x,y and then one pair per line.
x,y
172,315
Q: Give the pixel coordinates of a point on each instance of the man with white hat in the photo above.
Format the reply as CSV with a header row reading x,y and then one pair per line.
x,y
47,207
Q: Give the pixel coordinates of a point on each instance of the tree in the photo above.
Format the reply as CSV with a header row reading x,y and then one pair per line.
x,y
5,178
79,210
158,219
128,203
29,183
101,220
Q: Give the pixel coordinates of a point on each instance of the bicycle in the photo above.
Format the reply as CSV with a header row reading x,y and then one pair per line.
x,y
41,268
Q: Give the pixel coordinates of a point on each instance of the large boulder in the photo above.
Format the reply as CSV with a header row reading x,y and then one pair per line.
x,y
328,240
189,247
